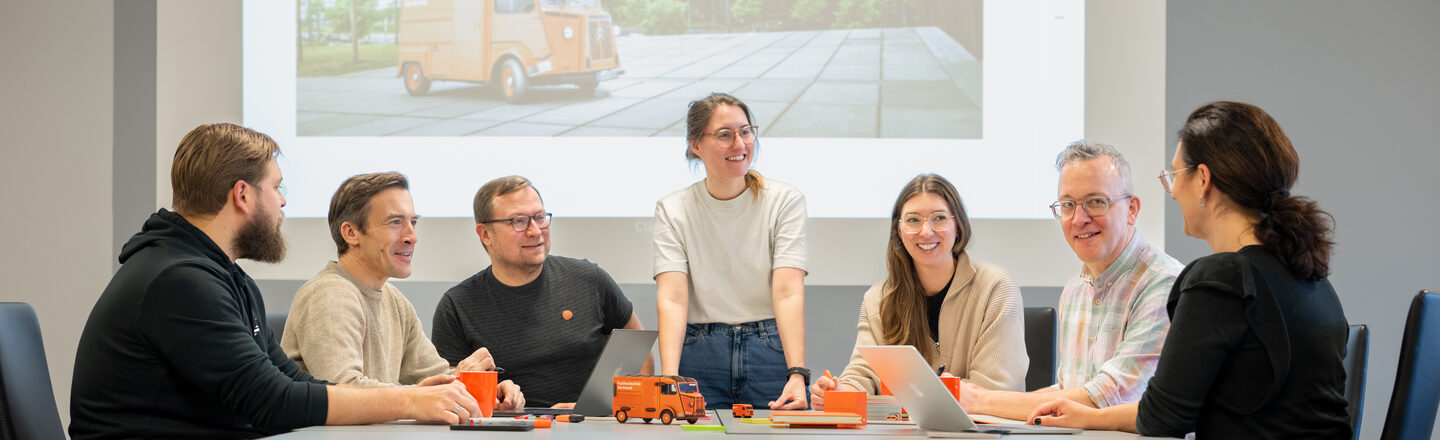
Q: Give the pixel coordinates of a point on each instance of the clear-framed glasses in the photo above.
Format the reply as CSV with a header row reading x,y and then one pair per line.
x,y
727,136
913,224
1094,206
1167,178
520,223
281,189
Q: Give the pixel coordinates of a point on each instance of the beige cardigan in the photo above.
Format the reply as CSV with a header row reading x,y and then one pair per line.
x,y
982,330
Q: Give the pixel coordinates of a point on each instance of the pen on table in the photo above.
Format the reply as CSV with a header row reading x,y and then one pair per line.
x,y
539,422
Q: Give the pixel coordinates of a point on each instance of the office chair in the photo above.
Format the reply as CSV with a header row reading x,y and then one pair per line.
x,y
27,402
1357,354
276,322
1417,379
1040,346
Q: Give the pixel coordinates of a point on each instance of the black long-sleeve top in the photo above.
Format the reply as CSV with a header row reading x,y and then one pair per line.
x,y
177,347
1253,352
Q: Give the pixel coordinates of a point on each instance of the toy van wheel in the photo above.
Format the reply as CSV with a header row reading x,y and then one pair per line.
x,y
512,81
666,417
621,416
416,84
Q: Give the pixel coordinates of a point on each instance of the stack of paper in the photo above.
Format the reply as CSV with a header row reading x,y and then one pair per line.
x,y
878,407
815,417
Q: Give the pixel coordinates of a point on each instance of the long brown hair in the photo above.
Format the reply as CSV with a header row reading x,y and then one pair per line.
x,y
1253,163
699,117
902,310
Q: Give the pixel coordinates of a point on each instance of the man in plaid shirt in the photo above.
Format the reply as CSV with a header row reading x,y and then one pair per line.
x,y
1112,314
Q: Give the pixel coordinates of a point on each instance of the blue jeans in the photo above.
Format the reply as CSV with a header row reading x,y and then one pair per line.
x,y
740,363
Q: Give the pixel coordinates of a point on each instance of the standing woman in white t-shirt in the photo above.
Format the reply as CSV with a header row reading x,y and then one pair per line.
x,y
730,269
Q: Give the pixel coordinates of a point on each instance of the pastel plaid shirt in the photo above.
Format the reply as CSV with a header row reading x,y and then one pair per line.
x,y
1111,326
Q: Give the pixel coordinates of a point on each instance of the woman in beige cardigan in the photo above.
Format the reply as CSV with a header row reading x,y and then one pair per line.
x,y
962,314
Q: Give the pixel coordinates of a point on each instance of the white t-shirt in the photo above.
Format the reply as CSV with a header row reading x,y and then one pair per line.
x,y
729,248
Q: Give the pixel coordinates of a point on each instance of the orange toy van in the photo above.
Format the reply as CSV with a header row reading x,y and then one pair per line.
x,y
664,397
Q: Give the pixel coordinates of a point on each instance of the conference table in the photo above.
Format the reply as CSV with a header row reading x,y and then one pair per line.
x,y
595,428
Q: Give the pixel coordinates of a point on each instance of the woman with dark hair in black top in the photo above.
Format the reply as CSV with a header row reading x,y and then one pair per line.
x,y
1257,335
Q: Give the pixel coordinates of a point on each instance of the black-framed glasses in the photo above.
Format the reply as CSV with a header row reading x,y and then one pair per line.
x,y
1167,178
1094,206
913,224
727,136
521,223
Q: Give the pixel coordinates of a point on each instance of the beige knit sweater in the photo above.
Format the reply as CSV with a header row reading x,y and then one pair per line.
x,y
344,332
982,330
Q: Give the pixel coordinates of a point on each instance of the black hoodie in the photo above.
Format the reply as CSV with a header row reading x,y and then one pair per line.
x,y
177,347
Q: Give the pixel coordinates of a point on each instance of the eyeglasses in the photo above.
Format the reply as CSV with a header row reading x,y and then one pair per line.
x,y
726,137
282,189
1167,178
522,222
913,224
1094,206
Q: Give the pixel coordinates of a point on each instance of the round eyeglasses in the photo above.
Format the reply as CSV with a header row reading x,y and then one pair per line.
x,y
1167,178
1094,206
727,137
913,224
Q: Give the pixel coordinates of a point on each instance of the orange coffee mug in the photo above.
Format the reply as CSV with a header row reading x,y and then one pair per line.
x,y
952,383
481,385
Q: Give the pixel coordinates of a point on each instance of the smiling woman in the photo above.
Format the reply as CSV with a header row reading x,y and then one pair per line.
x,y
962,314
730,269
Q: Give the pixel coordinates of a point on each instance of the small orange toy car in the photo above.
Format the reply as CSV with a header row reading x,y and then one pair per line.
x,y
742,410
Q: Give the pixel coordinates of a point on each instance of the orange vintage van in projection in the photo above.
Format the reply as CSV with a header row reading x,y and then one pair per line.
x,y
515,44
664,397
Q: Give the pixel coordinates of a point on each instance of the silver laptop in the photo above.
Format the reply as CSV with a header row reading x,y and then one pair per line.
x,y
927,400
624,354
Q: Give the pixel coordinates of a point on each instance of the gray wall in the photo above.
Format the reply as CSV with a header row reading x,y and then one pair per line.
x,y
55,176
1354,86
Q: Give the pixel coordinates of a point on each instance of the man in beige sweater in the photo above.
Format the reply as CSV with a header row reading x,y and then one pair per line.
x,y
348,325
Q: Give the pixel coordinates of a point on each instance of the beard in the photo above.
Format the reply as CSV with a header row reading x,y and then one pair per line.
x,y
260,239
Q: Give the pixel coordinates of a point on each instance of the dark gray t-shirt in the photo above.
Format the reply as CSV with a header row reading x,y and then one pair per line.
x,y
525,329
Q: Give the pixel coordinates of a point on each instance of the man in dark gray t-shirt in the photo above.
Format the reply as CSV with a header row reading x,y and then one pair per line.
x,y
543,318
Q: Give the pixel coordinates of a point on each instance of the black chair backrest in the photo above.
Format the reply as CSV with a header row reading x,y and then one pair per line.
x,y
1417,380
1357,354
28,401
1040,346
276,321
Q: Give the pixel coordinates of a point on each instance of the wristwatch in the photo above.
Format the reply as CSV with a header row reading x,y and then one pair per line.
x,y
802,371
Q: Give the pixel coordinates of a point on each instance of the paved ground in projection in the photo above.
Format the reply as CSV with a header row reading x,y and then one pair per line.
x,y
890,83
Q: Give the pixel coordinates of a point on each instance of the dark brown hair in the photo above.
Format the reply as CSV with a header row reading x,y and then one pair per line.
x,y
351,202
210,159
1253,163
902,311
699,117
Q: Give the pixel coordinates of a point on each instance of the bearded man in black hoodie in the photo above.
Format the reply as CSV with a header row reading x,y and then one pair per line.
x,y
177,346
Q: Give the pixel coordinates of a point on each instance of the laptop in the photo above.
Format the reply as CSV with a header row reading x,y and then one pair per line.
x,y
927,400
623,355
